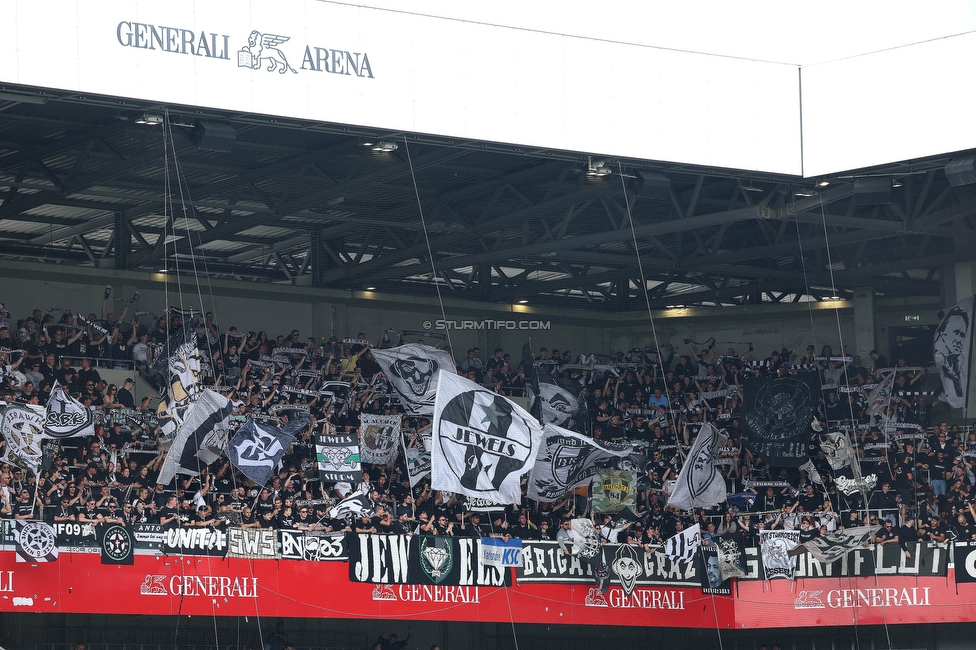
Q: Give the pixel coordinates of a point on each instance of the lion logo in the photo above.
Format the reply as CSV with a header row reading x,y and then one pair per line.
x,y
264,47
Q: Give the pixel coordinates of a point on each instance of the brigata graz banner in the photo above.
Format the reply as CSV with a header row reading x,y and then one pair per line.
x,y
420,559
629,566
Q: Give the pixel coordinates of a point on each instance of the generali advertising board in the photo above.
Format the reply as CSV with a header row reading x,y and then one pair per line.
x,y
640,594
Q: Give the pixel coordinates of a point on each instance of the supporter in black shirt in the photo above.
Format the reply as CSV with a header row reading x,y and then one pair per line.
x,y
65,511
810,500
169,516
886,534
124,396
934,531
963,530
88,374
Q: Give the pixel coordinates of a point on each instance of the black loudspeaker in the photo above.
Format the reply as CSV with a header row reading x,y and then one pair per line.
x,y
872,191
213,136
961,171
649,185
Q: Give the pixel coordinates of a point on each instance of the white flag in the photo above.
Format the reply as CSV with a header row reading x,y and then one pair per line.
x,y
483,443
66,417
879,397
684,545
775,547
699,483
412,371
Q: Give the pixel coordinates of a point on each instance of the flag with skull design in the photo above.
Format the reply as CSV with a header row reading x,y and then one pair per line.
x,y
412,371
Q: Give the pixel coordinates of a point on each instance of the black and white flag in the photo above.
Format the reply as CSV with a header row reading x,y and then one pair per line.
x,y
35,541
412,371
712,580
879,398
731,556
836,545
699,483
559,401
778,412
964,556
183,386
379,438
416,454
483,443
256,449
586,539
775,547
23,428
66,417
567,460
198,438
951,348
684,546
838,449
356,504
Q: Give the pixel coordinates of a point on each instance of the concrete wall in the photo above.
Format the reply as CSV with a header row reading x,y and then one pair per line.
x,y
278,308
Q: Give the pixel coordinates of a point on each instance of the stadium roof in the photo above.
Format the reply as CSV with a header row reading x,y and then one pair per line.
x,y
85,181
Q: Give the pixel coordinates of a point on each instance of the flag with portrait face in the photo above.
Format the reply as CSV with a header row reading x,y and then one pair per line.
x,y
482,442
951,349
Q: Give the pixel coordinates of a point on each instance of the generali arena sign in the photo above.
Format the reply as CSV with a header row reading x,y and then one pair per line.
x,y
202,585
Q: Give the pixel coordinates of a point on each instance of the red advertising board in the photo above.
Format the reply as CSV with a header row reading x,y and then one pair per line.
x,y
820,602
196,585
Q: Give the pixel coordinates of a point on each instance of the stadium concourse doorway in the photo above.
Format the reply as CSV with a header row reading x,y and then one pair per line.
x,y
25,631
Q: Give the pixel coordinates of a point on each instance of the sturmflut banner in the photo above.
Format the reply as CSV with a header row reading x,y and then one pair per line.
x,y
928,559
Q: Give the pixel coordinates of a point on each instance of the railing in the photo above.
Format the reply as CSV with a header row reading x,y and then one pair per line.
x,y
96,362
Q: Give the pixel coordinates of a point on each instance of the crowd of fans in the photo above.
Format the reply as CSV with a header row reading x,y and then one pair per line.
x,y
645,397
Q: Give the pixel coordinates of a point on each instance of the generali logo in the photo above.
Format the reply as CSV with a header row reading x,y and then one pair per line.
x,y
209,586
853,598
259,51
427,593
